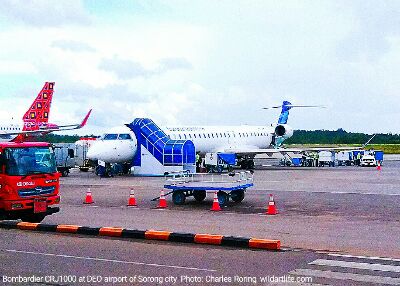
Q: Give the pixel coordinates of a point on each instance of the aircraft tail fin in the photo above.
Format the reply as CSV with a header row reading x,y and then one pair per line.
x,y
37,116
284,116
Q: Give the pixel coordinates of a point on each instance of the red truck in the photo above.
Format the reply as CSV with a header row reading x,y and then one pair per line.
x,y
29,181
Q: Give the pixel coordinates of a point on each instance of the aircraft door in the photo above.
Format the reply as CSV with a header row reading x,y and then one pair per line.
x,y
232,140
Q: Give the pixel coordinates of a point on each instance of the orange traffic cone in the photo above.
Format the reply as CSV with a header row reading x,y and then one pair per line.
x,y
215,206
162,204
132,200
88,198
271,206
379,166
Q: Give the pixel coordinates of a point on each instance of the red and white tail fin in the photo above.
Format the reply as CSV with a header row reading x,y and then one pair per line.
x,y
37,116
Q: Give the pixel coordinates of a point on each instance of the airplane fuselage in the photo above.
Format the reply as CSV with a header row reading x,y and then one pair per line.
x,y
222,138
8,128
117,147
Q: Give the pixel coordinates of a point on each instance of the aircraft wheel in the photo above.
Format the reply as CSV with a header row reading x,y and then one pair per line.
x,y
199,195
237,196
178,197
223,198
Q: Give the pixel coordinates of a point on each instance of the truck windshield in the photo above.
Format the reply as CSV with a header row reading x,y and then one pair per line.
x,y
30,160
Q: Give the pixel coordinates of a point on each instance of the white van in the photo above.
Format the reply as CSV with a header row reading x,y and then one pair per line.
x,y
368,161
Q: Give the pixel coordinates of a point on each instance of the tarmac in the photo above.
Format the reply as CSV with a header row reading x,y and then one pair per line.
x,y
346,214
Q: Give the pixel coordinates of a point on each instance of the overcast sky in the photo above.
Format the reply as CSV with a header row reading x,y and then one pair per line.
x,y
204,62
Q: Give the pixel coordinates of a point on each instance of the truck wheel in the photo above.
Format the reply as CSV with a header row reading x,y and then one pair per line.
x,y
230,168
178,197
64,173
199,195
220,169
223,198
33,217
237,196
250,165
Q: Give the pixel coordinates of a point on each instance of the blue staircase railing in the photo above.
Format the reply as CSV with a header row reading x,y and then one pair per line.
x,y
167,151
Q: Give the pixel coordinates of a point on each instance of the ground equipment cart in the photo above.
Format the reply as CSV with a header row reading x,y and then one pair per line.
x,y
185,184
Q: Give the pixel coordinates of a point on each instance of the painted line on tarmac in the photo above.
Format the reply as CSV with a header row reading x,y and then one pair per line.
x,y
364,257
110,260
331,192
356,265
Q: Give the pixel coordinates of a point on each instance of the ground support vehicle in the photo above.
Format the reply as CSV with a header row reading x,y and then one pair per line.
x,y
81,148
326,158
65,157
345,158
228,186
368,161
218,162
29,181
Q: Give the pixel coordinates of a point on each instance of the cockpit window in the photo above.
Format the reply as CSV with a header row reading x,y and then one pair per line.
x,y
110,137
124,137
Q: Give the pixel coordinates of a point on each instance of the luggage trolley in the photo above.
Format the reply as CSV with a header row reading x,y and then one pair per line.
x,y
185,184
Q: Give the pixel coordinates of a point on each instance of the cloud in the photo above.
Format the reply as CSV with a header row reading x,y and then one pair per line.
x,y
168,64
373,27
71,45
127,69
124,69
44,13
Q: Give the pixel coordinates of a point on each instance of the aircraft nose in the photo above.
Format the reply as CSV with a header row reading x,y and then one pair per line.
x,y
94,152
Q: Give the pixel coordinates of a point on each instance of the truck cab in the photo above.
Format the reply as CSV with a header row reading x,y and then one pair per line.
x,y
29,181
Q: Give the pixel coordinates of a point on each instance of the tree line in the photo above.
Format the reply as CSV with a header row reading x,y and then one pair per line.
x,y
340,136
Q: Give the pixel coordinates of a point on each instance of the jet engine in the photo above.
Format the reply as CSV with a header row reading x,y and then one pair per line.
x,y
283,130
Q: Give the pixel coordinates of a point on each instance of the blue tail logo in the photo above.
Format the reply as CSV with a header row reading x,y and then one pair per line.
x,y
283,118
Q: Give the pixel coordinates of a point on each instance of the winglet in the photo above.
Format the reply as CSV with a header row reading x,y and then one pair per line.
x,y
85,119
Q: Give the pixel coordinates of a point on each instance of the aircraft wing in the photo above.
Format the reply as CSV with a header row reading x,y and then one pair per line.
x,y
262,151
52,129
68,127
287,150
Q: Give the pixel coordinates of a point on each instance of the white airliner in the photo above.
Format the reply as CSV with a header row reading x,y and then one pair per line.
x,y
119,145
